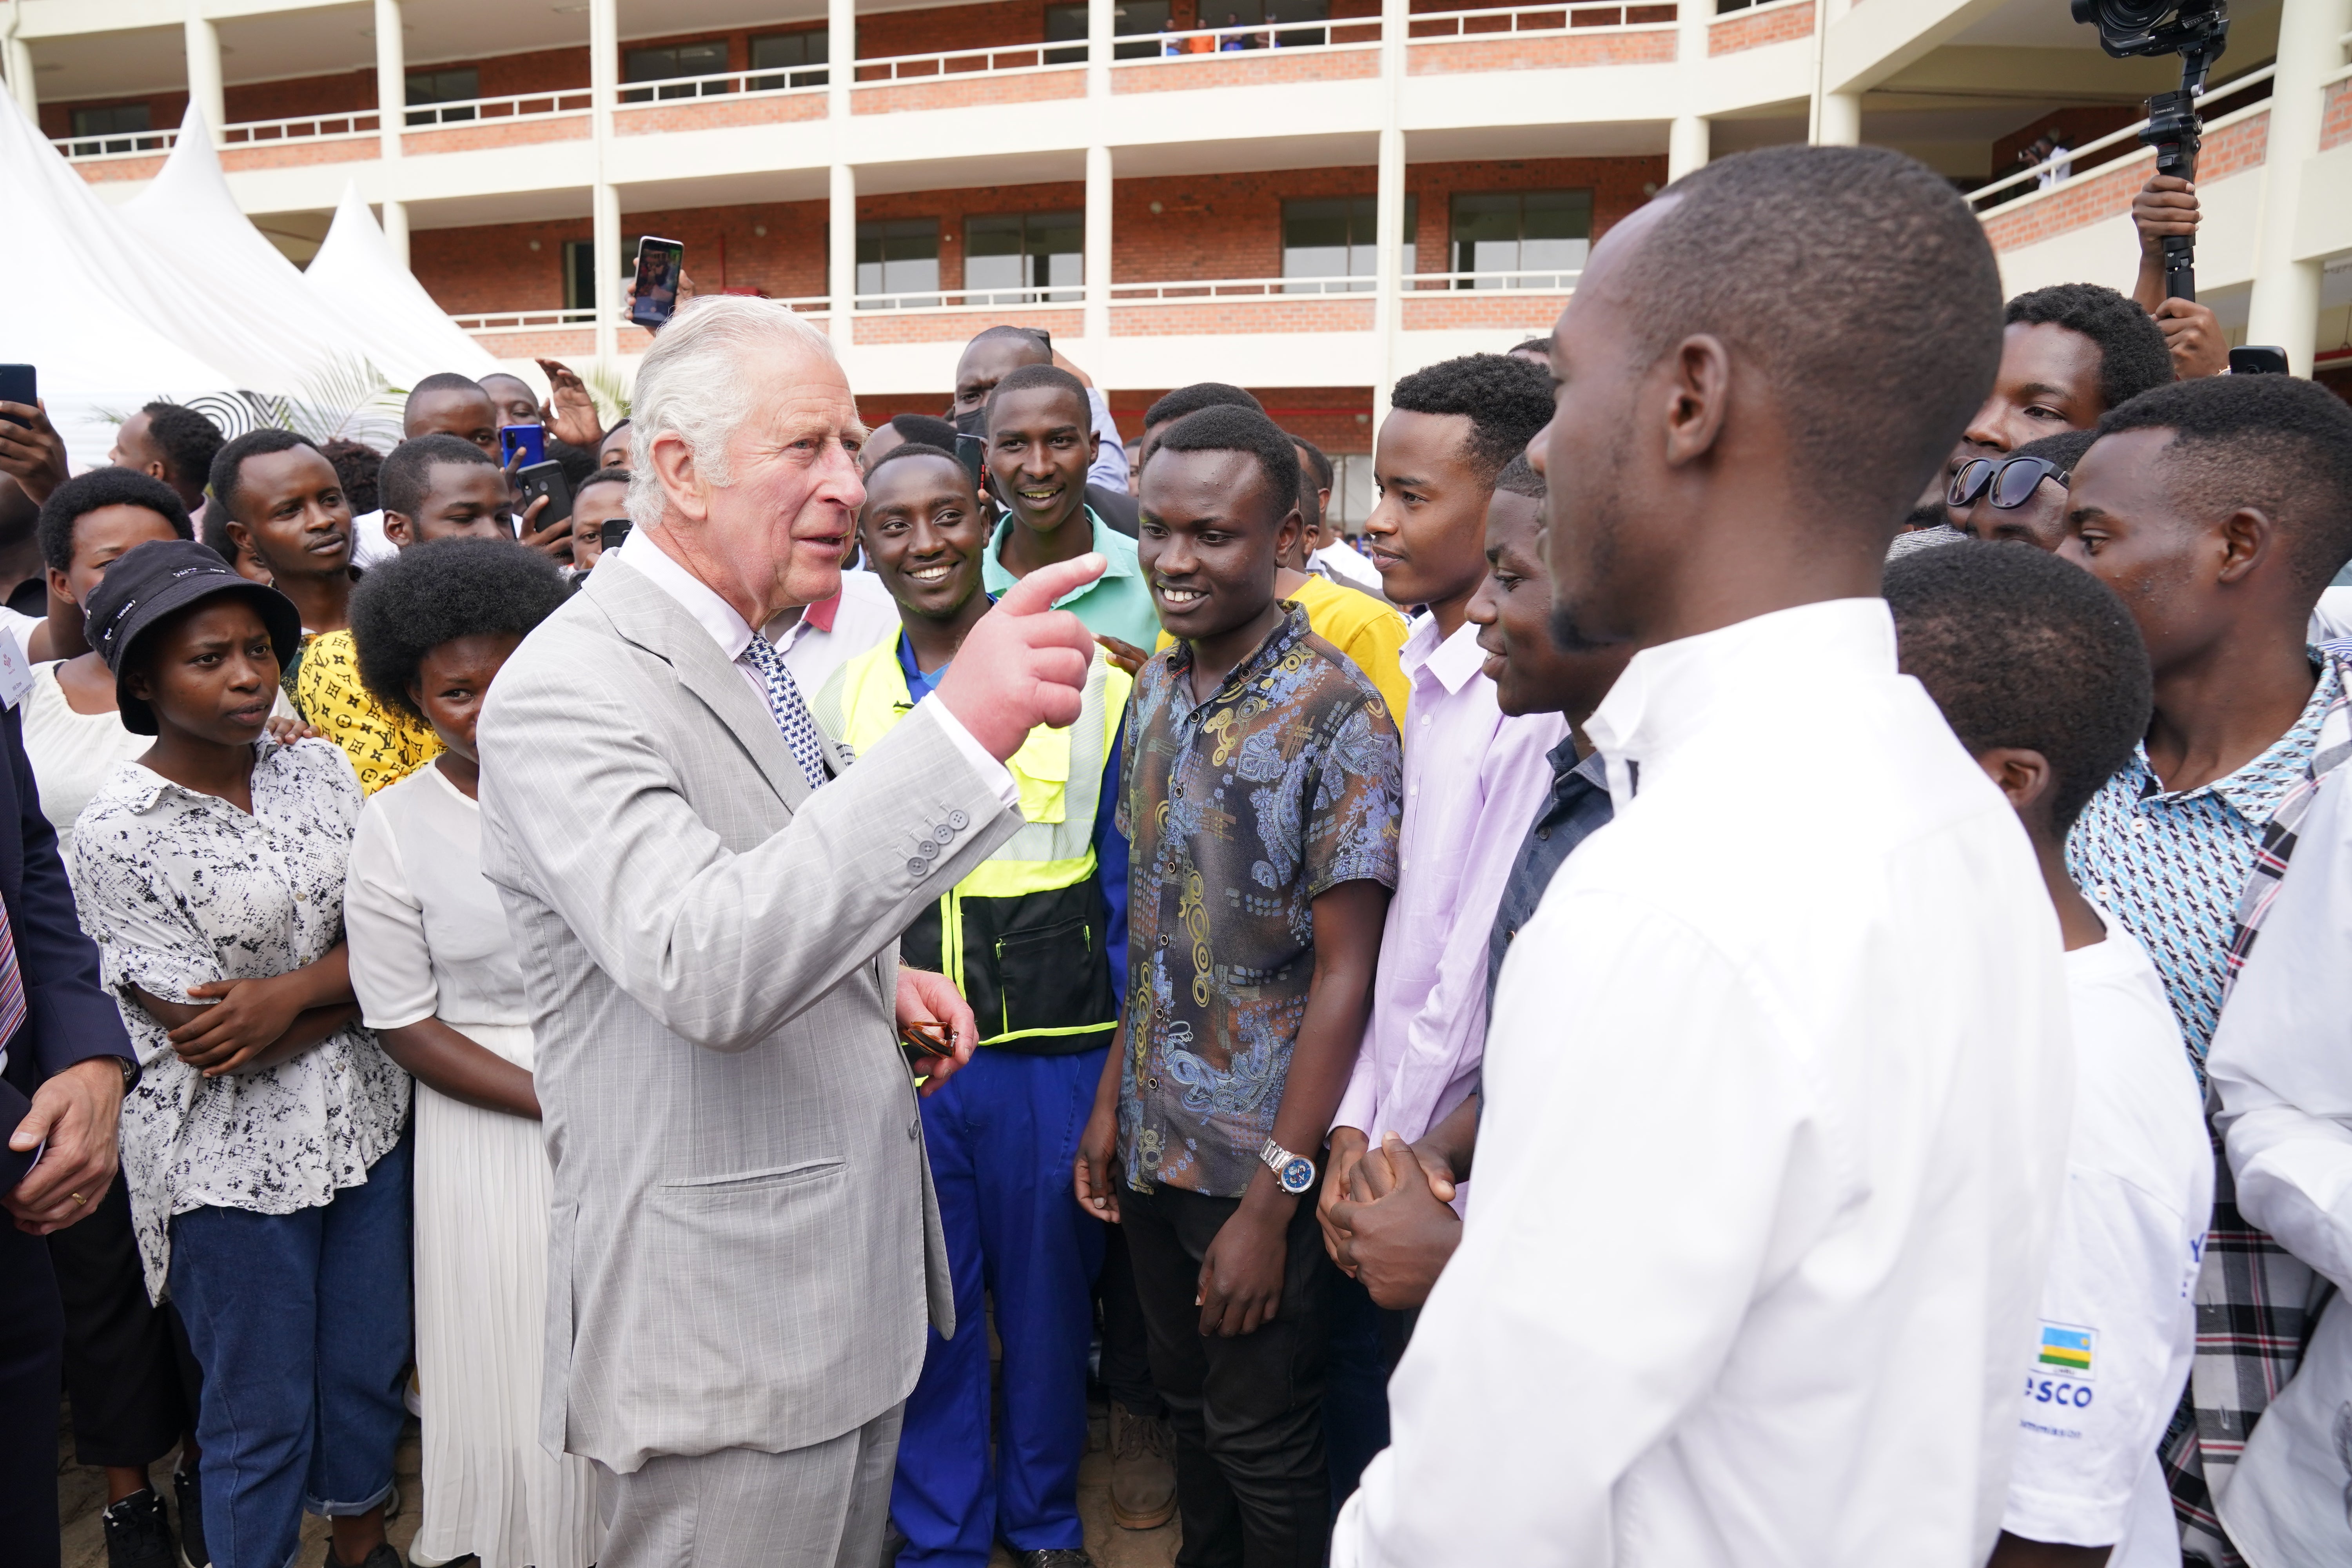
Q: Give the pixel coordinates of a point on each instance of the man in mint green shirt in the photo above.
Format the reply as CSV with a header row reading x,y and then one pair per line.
x,y
1040,442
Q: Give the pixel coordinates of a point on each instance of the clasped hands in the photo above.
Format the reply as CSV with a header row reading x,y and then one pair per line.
x,y
1387,1217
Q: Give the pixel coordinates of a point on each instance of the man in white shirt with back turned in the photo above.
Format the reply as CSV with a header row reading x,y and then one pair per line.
x,y
1778,1083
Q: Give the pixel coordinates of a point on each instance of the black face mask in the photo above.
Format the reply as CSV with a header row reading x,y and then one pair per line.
x,y
972,421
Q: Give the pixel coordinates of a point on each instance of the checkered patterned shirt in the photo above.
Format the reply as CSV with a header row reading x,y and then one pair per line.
x,y
2172,869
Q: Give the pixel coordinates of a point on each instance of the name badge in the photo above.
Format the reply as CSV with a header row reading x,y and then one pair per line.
x,y
15,675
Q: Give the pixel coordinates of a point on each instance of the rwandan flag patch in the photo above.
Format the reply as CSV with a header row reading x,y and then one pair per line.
x,y
2067,1350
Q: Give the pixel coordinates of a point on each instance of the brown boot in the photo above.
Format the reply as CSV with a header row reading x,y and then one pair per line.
x,y
1142,1470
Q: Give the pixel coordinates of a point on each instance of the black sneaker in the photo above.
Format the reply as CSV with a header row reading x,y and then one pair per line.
x,y
138,1532
188,1491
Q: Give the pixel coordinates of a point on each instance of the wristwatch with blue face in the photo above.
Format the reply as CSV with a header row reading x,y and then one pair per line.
x,y
1294,1172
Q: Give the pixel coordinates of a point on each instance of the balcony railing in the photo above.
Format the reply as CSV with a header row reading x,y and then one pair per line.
x,y
1009,59
768,79
1556,281
114,144
302,128
556,320
513,106
2081,161
1202,292
1479,24
1063,295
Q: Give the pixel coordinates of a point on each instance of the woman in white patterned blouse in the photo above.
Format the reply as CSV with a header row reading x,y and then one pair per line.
x,y
263,1147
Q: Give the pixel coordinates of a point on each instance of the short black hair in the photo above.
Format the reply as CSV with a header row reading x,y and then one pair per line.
x,y
929,429
1856,283
2132,355
1506,400
357,465
618,425
229,462
1519,478
1199,396
1220,428
1028,336
602,476
407,477
1531,346
211,531
442,381
1022,378
439,591
577,462
2020,648
2273,442
912,449
2065,448
1315,460
79,496
188,440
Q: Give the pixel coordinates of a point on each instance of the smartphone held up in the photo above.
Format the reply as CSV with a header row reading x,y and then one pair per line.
x,y
660,264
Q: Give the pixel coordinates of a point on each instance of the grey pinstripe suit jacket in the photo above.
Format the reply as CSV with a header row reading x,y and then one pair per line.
x,y
744,1238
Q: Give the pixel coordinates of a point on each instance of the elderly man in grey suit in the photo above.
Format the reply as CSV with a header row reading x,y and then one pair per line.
x,y
708,902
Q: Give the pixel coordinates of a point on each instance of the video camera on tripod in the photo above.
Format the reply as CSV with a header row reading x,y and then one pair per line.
x,y
2198,31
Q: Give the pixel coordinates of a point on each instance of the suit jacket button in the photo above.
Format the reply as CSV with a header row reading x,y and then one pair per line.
x,y
959,821
928,850
918,866
943,834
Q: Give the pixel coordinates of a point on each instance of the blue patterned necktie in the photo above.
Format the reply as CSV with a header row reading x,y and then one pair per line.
x,y
791,713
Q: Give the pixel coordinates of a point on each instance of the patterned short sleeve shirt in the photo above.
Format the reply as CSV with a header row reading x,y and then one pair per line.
x,y
1241,811
2171,865
178,887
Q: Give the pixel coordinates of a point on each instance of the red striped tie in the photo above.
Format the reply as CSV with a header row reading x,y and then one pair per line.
x,y
12,982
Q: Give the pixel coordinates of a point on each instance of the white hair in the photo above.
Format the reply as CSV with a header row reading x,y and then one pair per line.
x,y
691,386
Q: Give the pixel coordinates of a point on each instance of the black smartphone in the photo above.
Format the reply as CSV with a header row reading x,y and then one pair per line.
x,y
660,263
544,479
973,451
19,383
2257,359
615,530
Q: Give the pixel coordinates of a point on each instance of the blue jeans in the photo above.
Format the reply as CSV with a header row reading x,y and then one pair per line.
x,y
300,1323
1002,1136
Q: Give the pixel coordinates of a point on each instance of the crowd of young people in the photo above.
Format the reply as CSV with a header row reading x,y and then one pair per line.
x,y
1788,1170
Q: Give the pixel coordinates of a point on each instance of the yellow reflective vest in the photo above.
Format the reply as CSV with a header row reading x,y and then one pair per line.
x,y
1023,936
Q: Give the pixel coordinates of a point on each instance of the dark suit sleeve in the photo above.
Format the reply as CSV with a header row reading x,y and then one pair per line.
x,y
72,1018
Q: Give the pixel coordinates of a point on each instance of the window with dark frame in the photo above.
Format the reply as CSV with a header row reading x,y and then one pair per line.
x,y
123,121
1543,233
1334,237
783,51
580,274
899,258
673,62
1066,25
1143,19
454,87
1035,259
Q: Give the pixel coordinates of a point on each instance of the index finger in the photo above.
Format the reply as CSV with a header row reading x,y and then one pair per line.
x,y
1036,593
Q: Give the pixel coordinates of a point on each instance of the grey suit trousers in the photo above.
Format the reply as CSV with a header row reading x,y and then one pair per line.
x,y
825,1505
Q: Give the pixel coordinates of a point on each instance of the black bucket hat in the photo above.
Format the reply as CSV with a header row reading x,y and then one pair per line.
x,y
148,582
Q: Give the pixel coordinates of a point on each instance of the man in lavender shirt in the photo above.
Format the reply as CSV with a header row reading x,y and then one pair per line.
x,y
1473,781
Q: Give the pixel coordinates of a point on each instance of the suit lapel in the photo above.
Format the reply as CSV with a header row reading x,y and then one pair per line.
x,y
653,620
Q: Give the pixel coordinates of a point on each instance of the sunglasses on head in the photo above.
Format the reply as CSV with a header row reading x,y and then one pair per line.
x,y
2011,481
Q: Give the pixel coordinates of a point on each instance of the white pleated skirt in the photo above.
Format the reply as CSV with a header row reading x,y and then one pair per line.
x,y
481,1206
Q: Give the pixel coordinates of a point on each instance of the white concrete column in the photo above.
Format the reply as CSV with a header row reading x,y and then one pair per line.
x,y
1837,120
2284,309
841,266
395,228
20,78
1098,243
603,200
205,89
1100,31
1388,211
841,55
1687,145
391,78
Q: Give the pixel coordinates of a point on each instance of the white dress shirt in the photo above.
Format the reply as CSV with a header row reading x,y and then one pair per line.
x,y
2281,1066
825,636
2119,1325
1776,1110
732,633
1474,779
1341,560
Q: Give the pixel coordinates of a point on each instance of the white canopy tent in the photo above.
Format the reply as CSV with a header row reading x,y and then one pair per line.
x,y
100,352
359,279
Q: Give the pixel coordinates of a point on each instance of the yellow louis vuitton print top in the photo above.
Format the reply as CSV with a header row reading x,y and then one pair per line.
x,y
385,744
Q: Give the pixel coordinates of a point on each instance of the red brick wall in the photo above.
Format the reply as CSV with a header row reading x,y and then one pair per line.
x,y
1750,30
2336,118
1253,68
476,270
950,27
1539,51
968,91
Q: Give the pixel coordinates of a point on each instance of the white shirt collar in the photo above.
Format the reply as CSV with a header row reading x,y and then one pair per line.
x,y
1452,663
714,615
1666,692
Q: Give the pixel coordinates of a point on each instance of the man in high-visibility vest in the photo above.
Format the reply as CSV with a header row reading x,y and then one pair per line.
x,y
1036,940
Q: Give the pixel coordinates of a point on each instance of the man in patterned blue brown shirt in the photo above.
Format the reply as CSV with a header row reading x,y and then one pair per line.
x,y
1260,800
2201,504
